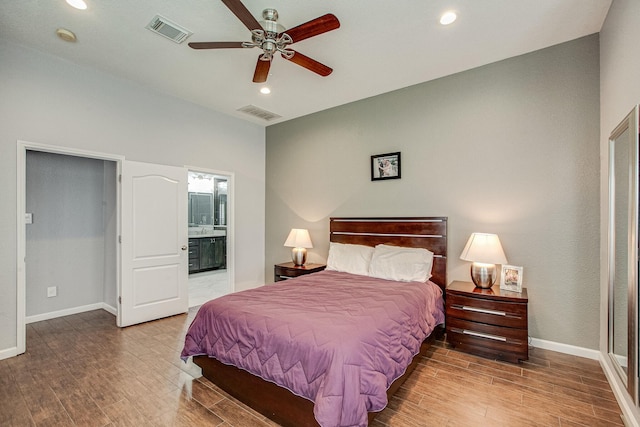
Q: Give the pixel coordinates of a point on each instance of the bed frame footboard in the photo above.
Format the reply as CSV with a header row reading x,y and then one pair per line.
x,y
278,403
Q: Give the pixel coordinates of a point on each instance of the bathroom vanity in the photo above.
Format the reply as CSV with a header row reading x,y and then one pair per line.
x,y
207,252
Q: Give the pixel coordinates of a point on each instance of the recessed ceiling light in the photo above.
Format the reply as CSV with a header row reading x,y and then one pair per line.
x,y
78,4
448,18
66,35
265,91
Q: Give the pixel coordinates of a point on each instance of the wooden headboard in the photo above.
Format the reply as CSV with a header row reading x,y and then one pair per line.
x,y
419,232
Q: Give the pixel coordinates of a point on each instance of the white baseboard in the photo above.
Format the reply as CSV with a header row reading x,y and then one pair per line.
x,y
109,308
70,311
8,352
566,348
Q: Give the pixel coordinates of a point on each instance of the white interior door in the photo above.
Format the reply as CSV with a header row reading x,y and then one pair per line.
x,y
154,243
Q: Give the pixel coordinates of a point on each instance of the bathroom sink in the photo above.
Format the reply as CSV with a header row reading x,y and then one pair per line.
x,y
207,233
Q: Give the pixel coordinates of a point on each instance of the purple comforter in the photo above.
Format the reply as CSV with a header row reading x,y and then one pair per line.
x,y
337,339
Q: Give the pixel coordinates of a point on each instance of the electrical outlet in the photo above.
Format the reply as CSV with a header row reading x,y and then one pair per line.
x,y
52,291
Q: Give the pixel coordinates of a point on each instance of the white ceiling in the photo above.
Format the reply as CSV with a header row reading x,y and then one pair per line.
x,y
380,46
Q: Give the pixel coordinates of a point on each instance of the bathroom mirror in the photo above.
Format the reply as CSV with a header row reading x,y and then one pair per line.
x,y
220,201
200,209
623,251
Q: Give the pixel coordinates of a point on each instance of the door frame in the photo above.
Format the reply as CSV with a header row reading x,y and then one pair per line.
x,y
21,167
231,201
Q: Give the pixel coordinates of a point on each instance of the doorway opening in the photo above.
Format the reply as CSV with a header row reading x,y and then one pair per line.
x,y
209,199
67,263
71,232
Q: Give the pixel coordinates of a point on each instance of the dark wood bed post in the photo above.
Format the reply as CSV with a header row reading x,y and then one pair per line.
x,y
278,403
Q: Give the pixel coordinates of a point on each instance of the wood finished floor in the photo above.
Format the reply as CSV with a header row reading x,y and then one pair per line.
x,y
83,370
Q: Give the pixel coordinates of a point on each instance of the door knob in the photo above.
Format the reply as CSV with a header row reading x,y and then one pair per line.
x,y
184,247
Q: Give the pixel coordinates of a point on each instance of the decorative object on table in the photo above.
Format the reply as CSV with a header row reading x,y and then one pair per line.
x,y
385,166
511,278
299,240
485,251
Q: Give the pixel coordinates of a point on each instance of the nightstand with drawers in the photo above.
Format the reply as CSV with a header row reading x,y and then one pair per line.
x,y
487,322
289,270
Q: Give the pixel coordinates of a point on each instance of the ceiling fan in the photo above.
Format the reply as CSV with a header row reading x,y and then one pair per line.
x,y
271,37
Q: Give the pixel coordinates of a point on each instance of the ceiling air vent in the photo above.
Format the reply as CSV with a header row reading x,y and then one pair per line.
x,y
164,27
259,112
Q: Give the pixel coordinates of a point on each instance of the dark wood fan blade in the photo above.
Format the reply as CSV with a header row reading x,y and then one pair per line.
x,y
314,27
310,64
214,45
262,71
243,14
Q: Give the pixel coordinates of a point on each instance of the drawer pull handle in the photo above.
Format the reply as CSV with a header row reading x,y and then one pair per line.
x,y
482,335
483,310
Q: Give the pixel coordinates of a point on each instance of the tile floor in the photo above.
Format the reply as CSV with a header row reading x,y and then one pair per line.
x,y
82,370
207,285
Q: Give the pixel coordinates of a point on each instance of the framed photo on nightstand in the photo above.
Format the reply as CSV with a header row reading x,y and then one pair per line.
x,y
511,278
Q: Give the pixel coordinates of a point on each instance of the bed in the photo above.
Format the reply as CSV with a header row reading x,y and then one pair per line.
x,y
329,354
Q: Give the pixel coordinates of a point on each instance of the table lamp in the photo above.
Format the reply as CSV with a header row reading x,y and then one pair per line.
x,y
485,251
299,240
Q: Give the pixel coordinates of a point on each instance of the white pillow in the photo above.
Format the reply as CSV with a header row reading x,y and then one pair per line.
x,y
349,258
401,264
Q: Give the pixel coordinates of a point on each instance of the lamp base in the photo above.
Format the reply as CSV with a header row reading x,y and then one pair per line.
x,y
483,275
299,256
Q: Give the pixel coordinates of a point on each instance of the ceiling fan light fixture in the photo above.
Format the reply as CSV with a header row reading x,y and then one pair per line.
x,y
448,18
269,46
257,37
286,53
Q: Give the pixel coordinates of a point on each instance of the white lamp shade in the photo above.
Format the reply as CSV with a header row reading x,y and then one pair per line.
x,y
484,248
298,238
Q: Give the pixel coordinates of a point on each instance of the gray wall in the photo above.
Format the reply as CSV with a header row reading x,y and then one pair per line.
x,y
509,148
47,100
66,244
619,92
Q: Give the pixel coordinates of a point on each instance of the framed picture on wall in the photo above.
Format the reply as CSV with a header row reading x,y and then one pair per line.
x,y
385,166
511,278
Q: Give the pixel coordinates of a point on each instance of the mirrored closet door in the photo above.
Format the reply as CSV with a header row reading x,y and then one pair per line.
x,y
623,251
